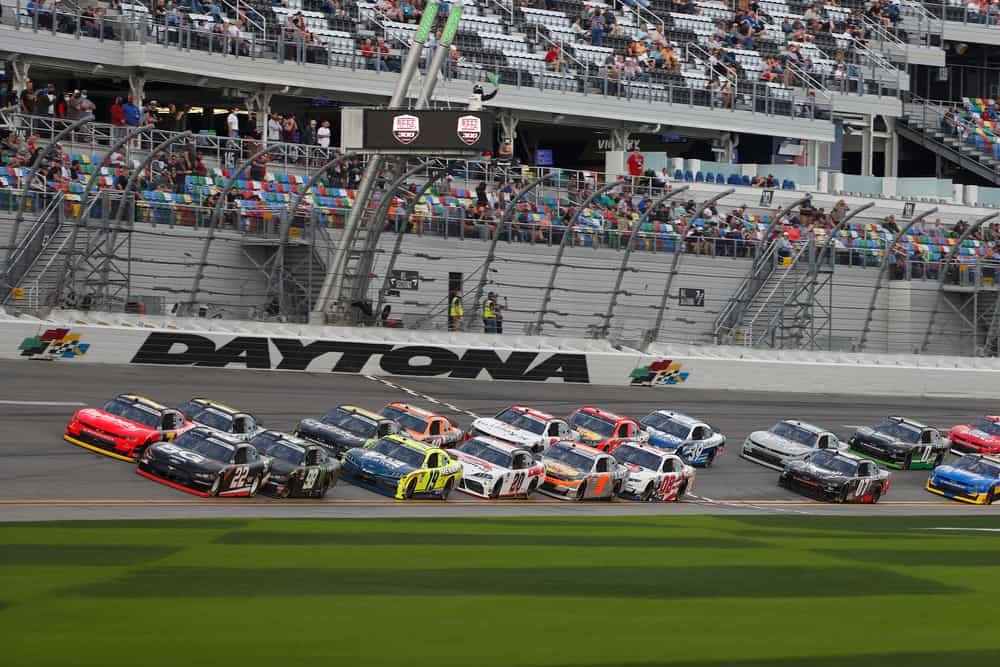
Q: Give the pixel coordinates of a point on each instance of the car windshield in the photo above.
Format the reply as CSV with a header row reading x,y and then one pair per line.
x,y
591,422
352,422
521,421
486,452
637,456
133,412
978,466
986,426
286,451
898,430
209,447
828,460
570,456
399,451
668,425
211,418
794,433
405,419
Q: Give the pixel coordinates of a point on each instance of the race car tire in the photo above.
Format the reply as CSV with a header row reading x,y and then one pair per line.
x,y
876,494
908,461
287,492
411,488
495,491
532,487
647,493
990,497
939,459
214,490
446,491
324,489
253,487
581,492
710,460
680,492
842,497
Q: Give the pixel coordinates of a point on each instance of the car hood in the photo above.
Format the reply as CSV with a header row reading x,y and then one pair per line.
x,y
589,436
778,443
309,427
109,422
975,435
806,469
963,476
882,439
191,461
377,463
505,431
473,465
560,469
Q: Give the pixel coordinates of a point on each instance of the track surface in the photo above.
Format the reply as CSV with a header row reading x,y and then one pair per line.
x,y
43,477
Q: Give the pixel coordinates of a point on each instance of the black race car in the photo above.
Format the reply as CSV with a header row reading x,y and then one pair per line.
x,y
830,475
205,462
345,427
298,467
899,442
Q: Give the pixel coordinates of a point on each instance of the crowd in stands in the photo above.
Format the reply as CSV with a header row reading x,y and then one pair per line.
x,y
975,123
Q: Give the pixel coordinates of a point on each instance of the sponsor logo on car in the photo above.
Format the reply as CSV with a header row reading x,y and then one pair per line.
x,y
54,344
659,373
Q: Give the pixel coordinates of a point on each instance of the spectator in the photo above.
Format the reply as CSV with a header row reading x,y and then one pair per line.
x,y
323,134
132,113
309,133
597,28
554,60
117,112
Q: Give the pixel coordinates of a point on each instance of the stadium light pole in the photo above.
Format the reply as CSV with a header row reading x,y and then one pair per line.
x,y
407,212
334,279
627,253
881,272
132,180
39,158
943,270
508,213
607,187
654,333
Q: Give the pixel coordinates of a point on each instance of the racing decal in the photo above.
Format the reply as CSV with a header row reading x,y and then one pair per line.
x,y
864,488
926,454
406,128
54,344
470,128
659,374
186,349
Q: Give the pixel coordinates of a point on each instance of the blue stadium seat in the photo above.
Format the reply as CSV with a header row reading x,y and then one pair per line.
x,y
709,177
699,178
787,185
719,178
688,176
678,175
733,179
745,180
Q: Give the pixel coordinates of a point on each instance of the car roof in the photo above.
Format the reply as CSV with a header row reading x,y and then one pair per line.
x,y
413,410
680,417
812,428
907,421
361,411
206,432
214,404
610,416
135,398
849,456
287,437
532,412
586,450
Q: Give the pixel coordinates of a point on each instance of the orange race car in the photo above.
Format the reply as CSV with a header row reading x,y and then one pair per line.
x,y
605,430
423,425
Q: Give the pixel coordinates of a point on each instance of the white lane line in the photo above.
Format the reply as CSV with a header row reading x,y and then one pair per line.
x,y
51,403
741,504
430,399
973,530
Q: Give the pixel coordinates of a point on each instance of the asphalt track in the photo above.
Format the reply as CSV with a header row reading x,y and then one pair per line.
x,y
42,477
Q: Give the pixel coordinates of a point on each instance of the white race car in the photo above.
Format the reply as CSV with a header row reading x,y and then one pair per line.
x,y
525,427
222,418
653,473
493,468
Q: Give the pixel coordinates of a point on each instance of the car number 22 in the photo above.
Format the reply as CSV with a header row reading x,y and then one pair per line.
x,y
240,477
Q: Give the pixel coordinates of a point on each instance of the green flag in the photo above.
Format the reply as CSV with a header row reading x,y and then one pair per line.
x,y
493,78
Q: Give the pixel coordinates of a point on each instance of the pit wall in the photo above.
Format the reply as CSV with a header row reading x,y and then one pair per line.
x,y
74,338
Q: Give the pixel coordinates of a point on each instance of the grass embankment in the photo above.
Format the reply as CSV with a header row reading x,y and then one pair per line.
x,y
590,591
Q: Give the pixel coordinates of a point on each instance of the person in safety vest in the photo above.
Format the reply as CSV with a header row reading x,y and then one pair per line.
x,y
490,314
455,312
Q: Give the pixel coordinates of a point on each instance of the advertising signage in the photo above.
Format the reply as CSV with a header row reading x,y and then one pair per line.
x,y
404,130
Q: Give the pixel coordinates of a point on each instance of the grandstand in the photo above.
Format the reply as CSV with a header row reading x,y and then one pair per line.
x,y
838,84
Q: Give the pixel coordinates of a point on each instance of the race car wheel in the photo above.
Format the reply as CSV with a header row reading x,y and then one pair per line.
x,y
531,488
939,459
446,491
842,498
581,492
214,491
680,492
253,487
323,489
647,493
908,461
495,491
990,496
710,459
876,494
411,488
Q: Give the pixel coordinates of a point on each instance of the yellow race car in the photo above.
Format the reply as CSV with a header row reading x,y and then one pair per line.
x,y
403,468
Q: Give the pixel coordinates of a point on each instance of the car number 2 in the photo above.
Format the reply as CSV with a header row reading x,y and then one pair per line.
x,y
240,475
310,478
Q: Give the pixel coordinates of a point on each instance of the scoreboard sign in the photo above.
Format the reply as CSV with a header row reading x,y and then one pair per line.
x,y
400,280
404,129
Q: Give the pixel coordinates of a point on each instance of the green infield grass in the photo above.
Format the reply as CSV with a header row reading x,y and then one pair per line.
x,y
711,591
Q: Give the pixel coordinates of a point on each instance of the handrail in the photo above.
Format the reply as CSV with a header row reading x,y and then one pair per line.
x,y
728,318
707,55
881,33
539,35
45,269
641,13
30,238
802,248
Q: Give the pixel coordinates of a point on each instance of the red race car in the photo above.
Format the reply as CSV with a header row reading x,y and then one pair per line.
x,y
982,436
125,426
605,430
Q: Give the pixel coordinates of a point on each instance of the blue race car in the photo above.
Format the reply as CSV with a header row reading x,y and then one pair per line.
x,y
973,478
694,441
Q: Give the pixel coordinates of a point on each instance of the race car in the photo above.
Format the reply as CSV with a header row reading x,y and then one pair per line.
x,y
836,476
786,441
492,468
972,478
578,472
982,436
653,473
403,468
694,441
125,426
525,427
298,467
345,427
424,426
204,462
899,442
222,418
605,430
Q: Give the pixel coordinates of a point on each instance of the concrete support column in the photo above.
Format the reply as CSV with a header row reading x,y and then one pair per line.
x,y
614,159
508,132
867,148
259,105
21,79
891,148
137,88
